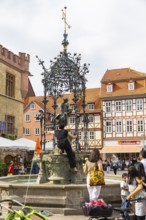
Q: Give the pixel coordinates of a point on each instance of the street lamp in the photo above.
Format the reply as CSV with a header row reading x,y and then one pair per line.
x,y
42,176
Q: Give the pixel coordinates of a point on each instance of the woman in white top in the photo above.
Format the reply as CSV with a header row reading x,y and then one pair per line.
x,y
94,160
135,184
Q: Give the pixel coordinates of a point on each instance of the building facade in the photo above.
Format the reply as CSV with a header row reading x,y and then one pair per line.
x,y
14,86
123,95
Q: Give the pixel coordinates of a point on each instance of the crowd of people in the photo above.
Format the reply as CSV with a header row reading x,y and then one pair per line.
x,y
133,183
19,167
16,168
115,164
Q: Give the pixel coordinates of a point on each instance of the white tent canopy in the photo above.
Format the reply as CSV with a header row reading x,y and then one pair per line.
x,y
30,145
5,143
22,143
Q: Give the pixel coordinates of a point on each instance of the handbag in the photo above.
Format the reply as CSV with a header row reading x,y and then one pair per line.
x,y
96,177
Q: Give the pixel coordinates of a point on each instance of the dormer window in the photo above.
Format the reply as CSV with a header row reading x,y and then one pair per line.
x,y
91,106
109,88
131,85
59,106
32,106
72,107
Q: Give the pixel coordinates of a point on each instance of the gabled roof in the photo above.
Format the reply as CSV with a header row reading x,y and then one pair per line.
x,y
40,104
120,78
121,75
30,89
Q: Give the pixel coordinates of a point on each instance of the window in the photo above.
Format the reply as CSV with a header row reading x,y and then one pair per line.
x,y
37,116
128,105
79,135
91,135
108,126
37,131
27,131
79,119
91,106
10,85
108,106
58,106
129,126
72,120
118,106
140,126
72,107
10,124
32,106
109,88
131,86
27,117
91,118
139,104
118,126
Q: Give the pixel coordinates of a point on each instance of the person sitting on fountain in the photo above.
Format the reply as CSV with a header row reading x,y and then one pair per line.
x,y
64,145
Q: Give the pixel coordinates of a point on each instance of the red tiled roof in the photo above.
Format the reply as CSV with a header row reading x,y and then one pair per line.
x,y
119,78
121,74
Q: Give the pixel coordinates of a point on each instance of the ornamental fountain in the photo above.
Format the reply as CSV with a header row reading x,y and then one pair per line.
x,y
66,74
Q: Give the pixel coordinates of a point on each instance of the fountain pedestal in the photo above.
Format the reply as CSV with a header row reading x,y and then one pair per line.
x,y
60,171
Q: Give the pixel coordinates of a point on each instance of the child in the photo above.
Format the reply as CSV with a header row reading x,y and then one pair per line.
x,y
124,186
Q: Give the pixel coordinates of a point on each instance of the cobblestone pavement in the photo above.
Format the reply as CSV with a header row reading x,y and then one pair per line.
x,y
119,172
68,217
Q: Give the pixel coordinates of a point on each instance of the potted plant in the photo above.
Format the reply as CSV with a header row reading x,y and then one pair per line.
x,y
2,167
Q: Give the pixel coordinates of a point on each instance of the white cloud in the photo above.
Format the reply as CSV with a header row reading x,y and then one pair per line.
x,y
108,33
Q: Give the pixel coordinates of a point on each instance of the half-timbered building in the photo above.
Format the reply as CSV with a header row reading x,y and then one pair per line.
x,y
123,95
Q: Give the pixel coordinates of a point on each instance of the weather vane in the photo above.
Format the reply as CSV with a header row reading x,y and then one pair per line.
x,y
66,25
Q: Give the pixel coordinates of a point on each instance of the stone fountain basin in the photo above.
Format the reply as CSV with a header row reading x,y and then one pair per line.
x,y
57,198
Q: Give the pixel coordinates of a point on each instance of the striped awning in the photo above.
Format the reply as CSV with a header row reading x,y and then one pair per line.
x,y
121,149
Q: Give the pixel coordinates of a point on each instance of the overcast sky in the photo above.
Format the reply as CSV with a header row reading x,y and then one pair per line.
x,y
109,34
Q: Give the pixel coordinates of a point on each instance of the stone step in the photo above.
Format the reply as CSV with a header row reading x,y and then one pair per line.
x,y
41,200
114,177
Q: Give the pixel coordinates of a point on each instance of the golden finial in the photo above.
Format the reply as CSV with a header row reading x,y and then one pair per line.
x,y
66,25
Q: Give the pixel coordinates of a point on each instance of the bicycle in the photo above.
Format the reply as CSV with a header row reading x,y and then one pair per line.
x,y
25,213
